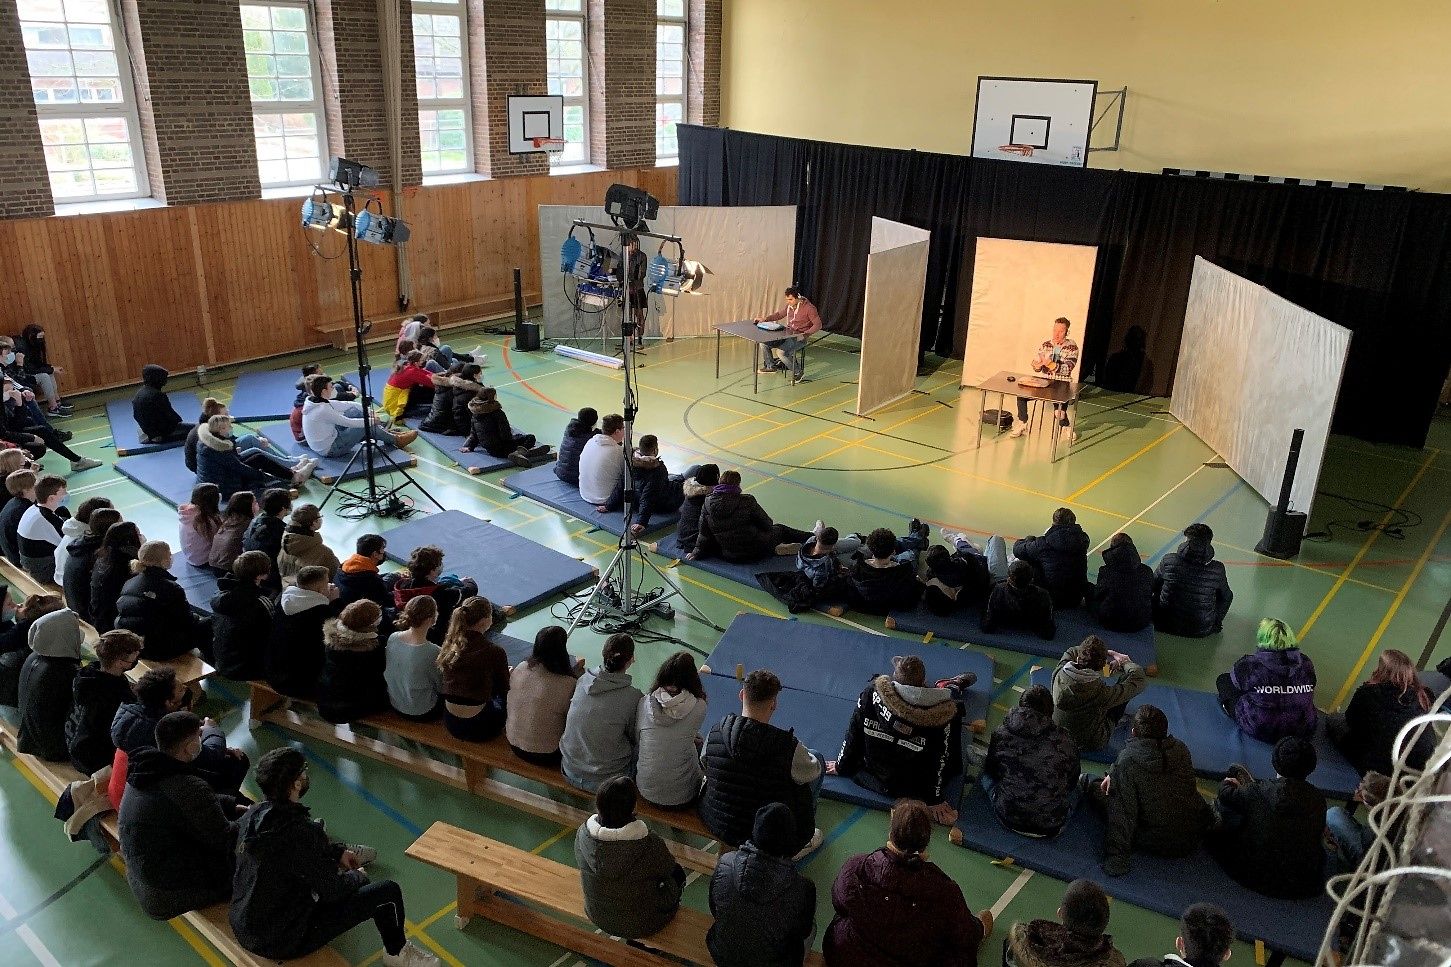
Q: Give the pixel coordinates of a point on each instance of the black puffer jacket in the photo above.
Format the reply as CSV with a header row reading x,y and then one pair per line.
x,y
1009,609
688,528
1154,804
489,429
1191,592
464,391
265,534
1034,765
747,765
80,561
351,685
764,910
1272,839
151,407
440,411
1060,562
96,696
241,627
903,741
10,513
1123,599
14,649
109,575
1375,716
154,606
882,590
733,526
576,435
46,685
295,653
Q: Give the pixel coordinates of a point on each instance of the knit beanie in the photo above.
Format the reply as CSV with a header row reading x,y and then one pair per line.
x,y
153,554
774,831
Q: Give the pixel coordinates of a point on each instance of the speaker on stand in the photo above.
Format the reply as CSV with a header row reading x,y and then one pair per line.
x,y
1285,528
526,334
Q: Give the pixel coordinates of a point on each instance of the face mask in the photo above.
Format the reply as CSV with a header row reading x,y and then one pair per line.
x,y
9,358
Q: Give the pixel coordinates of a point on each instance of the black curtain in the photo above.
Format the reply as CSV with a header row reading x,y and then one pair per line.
x,y
1376,262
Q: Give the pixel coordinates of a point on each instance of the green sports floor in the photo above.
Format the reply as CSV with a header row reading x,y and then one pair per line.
x,y
804,456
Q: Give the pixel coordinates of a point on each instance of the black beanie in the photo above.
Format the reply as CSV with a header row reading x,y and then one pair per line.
x,y
1294,757
774,832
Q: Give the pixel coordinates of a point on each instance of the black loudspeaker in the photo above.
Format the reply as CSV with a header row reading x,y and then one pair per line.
x,y
1285,528
526,334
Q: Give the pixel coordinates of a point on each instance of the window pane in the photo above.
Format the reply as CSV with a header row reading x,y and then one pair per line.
x,y
267,125
271,149
116,181
42,36
670,8
299,169
256,18
40,9
450,87
261,65
47,63
451,119
295,89
87,11
54,90
257,41
288,18
426,89
293,66
62,131
72,184
290,43
91,36
272,172
96,62
263,90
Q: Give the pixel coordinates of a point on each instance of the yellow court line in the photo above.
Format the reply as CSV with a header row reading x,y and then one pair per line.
x,y
1390,613
563,832
831,453
778,426
1122,463
1364,549
852,425
813,415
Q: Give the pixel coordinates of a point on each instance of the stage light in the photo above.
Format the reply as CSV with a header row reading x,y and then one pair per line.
x,y
351,174
630,207
379,229
681,277
318,212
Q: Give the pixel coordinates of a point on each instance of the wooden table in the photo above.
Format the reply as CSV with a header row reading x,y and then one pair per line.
x,y
1059,392
758,338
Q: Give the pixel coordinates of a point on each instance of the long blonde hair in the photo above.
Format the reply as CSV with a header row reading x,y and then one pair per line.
x,y
419,612
456,641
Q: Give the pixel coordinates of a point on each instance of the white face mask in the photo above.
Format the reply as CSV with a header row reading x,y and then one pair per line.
x,y
9,358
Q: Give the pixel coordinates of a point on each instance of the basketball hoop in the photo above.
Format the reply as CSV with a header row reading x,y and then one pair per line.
x,y
547,143
1026,150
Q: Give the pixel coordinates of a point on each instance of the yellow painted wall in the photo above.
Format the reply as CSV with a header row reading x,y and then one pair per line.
x,y
1351,91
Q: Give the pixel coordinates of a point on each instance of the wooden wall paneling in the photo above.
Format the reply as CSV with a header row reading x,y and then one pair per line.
x,y
149,257
92,303
203,290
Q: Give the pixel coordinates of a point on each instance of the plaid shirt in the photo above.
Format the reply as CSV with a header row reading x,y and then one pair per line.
x,y
1066,355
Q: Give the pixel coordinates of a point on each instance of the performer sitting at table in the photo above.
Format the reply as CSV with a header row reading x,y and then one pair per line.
x,y
1055,359
802,320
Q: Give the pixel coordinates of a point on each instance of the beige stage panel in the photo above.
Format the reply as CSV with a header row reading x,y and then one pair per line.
x,y
892,316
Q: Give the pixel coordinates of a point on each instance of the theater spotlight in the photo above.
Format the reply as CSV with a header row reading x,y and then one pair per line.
x,y
373,226
318,212
351,174
630,207
680,277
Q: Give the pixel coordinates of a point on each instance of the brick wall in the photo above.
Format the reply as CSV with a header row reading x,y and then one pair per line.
x,y
191,89
705,30
622,82
510,35
24,186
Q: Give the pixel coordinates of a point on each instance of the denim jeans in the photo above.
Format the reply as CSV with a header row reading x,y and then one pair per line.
x,y
251,441
1351,839
350,436
788,352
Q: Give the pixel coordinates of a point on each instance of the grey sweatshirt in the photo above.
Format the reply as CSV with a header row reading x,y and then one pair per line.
x,y
599,732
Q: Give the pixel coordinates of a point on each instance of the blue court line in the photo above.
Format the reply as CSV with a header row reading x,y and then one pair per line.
x,y
835,834
1007,683
1174,541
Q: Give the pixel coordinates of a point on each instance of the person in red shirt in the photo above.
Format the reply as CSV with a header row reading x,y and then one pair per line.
x,y
802,320
408,374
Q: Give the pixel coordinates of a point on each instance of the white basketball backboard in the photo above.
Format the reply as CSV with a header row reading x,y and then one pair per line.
x,y
1035,119
536,123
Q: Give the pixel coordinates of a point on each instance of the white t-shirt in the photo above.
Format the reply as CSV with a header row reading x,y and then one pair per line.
x,y
601,464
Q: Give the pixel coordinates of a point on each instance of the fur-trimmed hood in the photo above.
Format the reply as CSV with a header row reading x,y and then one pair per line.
x,y
211,441
461,385
480,407
441,380
693,489
339,637
918,704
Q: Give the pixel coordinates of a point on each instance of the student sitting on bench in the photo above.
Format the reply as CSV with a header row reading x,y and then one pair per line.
x,y
904,739
1206,939
424,575
631,883
359,579
1151,796
158,694
886,579
475,674
764,910
1366,731
602,461
1191,589
600,735
896,908
15,637
1123,598
693,492
668,767
20,485
295,890
1059,559
415,682
1018,604
351,685
265,532
302,545
576,434
154,606
1031,770
80,557
99,689
1271,832
243,623
489,431
1079,940
542,686
1270,693
151,408
38,535
408,374
296,652
734,526
47,685
657,490
1087,704
237,516
118,550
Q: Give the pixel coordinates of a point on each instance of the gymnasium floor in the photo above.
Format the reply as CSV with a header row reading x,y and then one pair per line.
x,y
804,456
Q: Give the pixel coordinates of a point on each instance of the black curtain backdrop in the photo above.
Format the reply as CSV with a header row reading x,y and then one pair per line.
x,y
1378,263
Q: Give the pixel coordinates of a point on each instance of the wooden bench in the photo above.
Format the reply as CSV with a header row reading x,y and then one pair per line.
x,y
508,885
210,922
454,315
478,760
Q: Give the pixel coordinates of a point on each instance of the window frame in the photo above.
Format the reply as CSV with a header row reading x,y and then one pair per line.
x,y
464,103
683,98
128,109
317,106
558,159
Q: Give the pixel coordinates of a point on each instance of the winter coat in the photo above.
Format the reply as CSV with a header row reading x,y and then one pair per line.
x,y
1047,943
668,772
464,391
688,528
747,765
1191,592
358,579
217,462
14,649
599,731
295,654
1060,562
733,526
899,911
108,576
903,741
151,407
1123,599
96,695
1153,803
10,515
1277,694
227,543
882,590
631,883
765,911
440,411
176,839
196,543
1033,764
286,866
965,571
1082,698
566,467
154,606
539,710
70,530
1009,609
489,429
265,534
304,548
242,622
1272,839
80,561
46,684
351,685
1375,716
188,449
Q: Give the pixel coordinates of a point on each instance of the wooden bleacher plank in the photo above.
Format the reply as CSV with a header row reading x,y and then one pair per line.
x,y
453,315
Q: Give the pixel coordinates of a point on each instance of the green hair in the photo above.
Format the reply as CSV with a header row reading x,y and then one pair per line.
x,y
1275,635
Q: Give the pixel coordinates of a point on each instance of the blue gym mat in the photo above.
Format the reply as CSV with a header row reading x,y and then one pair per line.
x,y
1215,742
511,570
265,396
199,583
719,566
127,435
542,485
476,462
329,468
163,472
1157,883
1074,625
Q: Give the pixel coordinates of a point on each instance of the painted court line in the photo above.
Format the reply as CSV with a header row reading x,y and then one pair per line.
x,y
28,937
1122,464
1141,514
1011,893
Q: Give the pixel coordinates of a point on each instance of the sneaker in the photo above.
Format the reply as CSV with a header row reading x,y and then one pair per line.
x,y
365,854
810,847
411,955
961,682
479,355
60,409
1070,435
1019,428
520,458
84,463
951,538
817,528
766,369
402,439
299,475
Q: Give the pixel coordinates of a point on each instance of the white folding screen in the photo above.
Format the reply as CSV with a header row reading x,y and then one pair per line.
x,y
892,317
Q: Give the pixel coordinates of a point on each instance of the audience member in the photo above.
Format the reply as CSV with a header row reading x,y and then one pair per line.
x,y
222,460
466,386
475,674
97,691
36,361
302,545
764,910
489,431
904,740
1346,837
23,425
47,681
119,548
429,345
576,434
734,526
15,638
440,411
351,685
1151,795
1031,770
886,580
1059,559
236,518
151,408
668,769
38,535
200,519
73,527
80,557
657,490
749,762
957,575
631,883
1123,598
295,650
358,577
1191,589
11,460
1087,704
1271,832
408,375
543,687
295,890
600,733
423,575
413,675
819,577
1206,938
896,908
211,406
1076,939
334,429
1270,693
154,606
602,460
693,491
265,532
242,620
1366,732
177,834
21,486
158,693
1018,604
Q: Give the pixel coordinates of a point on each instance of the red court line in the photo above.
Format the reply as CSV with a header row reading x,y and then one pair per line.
x,y
522,382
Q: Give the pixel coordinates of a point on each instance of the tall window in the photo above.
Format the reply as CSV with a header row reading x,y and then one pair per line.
x,y
669,76
439,54
282,71
569,76
81,82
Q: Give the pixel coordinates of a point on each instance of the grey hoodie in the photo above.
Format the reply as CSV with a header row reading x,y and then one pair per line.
x,y
45,686
57,635
669,773
599,732
631,883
